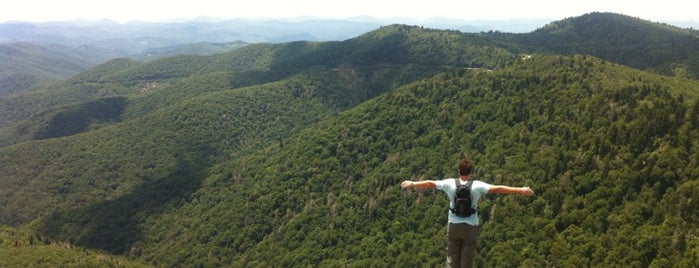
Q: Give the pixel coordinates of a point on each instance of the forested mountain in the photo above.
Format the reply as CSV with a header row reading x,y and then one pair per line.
x,y
381,59
618,38
290,155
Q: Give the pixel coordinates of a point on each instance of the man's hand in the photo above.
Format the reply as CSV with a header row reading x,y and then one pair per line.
x,y
406,184
527,191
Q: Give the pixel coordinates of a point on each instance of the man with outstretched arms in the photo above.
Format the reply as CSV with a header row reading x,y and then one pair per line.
x,y
462,231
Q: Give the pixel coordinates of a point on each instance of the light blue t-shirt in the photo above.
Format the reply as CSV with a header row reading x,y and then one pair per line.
x,y
478,189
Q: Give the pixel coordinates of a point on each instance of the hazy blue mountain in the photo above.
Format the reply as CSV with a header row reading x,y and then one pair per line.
x,y
201,48
134,37
24,65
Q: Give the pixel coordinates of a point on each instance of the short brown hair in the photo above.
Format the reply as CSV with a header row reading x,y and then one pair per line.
x,y
465,167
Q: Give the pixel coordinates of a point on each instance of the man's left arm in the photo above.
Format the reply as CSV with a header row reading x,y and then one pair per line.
x,y
502,189
418,184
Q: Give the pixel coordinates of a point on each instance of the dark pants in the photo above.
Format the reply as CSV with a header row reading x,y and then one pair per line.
x,y
461,245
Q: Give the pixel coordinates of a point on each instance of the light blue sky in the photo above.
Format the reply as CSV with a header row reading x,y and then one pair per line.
x,y
158,10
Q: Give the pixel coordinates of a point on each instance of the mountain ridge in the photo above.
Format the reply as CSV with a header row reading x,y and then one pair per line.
x,y
632,41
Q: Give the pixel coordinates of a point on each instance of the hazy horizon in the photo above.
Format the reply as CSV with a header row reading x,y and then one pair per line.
x,y
497,10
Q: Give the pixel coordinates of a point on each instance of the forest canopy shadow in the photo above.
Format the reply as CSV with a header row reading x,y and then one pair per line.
x,y
114,225
78,118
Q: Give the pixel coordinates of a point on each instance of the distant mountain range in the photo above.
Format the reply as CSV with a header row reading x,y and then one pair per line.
x,y
134,37
33,54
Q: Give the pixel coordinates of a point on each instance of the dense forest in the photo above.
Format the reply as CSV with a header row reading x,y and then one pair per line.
x,y
291,154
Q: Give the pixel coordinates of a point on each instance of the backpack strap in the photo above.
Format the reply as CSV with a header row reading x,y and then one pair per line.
x,y
457,182
456,189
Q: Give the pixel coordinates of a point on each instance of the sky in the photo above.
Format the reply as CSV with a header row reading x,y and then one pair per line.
x,y
162,10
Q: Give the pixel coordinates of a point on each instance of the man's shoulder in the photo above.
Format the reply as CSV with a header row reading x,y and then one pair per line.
x,y
444,182
481,184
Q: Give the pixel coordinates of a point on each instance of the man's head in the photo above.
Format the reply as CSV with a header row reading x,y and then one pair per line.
x,y
465,167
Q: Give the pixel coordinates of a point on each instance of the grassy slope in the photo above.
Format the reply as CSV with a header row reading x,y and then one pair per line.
x,y
20,248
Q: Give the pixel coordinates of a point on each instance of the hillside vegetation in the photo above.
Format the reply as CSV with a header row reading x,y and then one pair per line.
x,y
291,155
20,248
